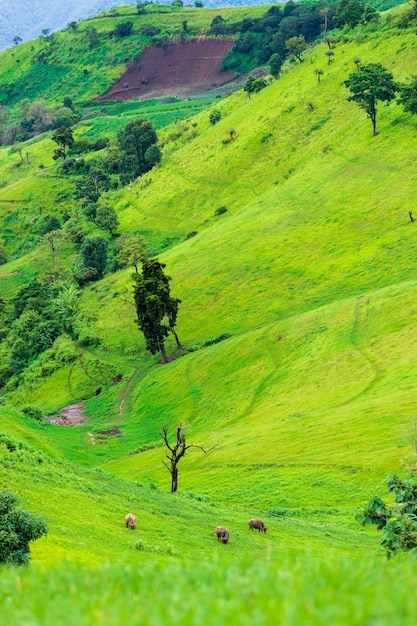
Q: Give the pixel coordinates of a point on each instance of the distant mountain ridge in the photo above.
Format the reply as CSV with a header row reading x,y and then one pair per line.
x,y
28,18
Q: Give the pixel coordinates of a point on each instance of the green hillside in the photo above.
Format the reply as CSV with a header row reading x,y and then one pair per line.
x,y
298,328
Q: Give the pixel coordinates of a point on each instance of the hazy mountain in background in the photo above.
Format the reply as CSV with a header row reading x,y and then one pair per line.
x,y
27,18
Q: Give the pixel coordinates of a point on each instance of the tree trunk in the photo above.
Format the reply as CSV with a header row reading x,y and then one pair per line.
x,y
373,118
176,338
174,477
164,355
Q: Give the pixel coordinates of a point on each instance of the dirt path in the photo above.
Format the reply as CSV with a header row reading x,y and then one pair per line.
x,y
71,415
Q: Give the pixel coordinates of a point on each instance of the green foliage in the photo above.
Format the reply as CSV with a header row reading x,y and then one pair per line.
x,y
398,521
135,139
370,14
128,250
349,12
215,116
17,529
65,139
275,64
220,210
49,223
33,412
123,29
296,46
31,334
408,97
370,84
90,187
156,309
106,219
94,256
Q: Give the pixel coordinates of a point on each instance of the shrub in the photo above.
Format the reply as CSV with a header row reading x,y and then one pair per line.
x,y
212,342
190,234
17,529
34,412
124,29
150,30
215,116
220,210
49,223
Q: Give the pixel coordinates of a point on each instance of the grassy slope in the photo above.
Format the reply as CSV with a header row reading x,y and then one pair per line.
x,y
64,72
311,399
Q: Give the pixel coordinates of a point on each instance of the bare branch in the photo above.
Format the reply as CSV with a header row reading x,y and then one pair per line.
x,y
194,445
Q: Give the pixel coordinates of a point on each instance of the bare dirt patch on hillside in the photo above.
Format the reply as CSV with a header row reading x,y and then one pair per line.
x,y
185,68
71,415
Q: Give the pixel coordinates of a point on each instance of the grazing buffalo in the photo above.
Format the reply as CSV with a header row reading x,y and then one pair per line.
x,y
130,520
257,524
222,534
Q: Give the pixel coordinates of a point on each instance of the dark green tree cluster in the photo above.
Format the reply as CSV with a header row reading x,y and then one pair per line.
x,y
258,39
18,528
155,307
124,29
138,150
254,85
349,12
398,521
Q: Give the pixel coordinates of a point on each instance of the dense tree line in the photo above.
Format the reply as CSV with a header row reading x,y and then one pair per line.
x,y
258,39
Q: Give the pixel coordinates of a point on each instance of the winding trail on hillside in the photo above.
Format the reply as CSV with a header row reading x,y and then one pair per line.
x,y
376,369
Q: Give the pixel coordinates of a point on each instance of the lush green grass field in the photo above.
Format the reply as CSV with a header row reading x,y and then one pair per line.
x,y
310,396
284,591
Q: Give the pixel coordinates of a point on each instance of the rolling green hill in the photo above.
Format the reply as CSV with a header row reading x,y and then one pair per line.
x,y
298,323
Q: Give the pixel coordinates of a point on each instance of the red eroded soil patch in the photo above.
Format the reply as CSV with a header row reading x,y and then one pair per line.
x,y
184,68
71,415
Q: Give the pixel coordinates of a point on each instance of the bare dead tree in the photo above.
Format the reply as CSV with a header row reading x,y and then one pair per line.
x,y
176,451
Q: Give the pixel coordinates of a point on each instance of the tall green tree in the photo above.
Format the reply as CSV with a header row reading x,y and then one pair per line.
x,y
135,139
106,219
94,255
65,139
18,528
296,46
349,12
275,64
369,84
155,307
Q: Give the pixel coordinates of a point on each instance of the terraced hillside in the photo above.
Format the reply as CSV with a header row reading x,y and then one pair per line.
x,y
298,326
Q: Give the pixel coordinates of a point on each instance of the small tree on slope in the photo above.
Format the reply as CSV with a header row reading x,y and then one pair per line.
x,y
398,521
17,528
156,309
176,451
369,84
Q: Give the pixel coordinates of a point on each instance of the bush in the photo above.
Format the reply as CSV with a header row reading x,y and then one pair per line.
x,y
215,116
124,29
190,234
17,529
220,210
101,143
49,223
150,30
34,412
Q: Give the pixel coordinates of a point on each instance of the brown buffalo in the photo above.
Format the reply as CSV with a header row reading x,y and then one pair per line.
x,y
130,520
257,524
222,534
